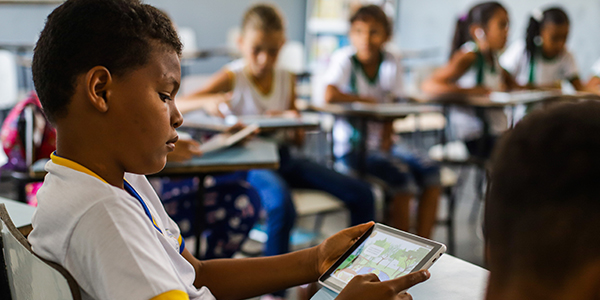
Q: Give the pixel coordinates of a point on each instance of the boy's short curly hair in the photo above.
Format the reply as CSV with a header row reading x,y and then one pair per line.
x,y
82,34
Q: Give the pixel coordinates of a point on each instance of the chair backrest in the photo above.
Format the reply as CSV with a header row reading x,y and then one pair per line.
x,y
27,275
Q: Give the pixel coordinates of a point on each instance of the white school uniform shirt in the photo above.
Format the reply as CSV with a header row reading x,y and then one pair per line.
x,y
247,99
348,77
464,123
103,236
543,71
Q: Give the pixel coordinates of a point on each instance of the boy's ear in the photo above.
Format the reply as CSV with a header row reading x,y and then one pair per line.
x,y
98,82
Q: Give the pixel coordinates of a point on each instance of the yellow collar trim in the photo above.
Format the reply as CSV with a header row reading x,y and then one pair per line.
x,y
65,162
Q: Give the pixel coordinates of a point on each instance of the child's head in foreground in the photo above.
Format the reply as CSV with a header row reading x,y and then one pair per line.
x,y
486,24
370,29
543,210
262,36
106,72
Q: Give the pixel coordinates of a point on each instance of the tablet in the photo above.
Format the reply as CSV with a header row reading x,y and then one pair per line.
x,y
385,251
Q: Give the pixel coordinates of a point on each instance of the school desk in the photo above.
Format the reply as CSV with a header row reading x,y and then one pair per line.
x,y
20,213
451,279
256,154
499,100
363,112
199,120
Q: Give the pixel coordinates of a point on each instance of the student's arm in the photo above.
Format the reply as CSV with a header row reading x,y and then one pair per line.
x,y
245,278
594,85
443,80
576,82
334,95
509,81
216,91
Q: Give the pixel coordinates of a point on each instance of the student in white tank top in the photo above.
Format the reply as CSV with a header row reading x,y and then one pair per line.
x,y
248,99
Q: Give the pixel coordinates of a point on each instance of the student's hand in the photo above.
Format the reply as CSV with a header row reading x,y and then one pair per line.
x,y
184,150
368,286
333,247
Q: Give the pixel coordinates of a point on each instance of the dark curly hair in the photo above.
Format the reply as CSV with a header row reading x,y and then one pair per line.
x,y
82,34
543,208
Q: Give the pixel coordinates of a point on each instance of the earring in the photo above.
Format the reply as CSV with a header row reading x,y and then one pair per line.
x,y
537,40
480,34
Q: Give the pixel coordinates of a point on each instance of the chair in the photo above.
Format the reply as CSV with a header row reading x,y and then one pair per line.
x,y
318,204
26,276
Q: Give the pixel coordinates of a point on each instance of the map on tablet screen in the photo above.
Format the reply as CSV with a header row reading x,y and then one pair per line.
x,y
384,255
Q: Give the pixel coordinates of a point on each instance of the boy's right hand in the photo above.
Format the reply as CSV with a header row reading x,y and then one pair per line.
x,y
368,286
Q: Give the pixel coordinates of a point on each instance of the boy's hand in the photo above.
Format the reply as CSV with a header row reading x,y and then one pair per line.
x,y
333,247
184,150
369,287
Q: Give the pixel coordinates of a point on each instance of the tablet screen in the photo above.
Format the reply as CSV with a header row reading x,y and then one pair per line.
x,y
384,255
384,251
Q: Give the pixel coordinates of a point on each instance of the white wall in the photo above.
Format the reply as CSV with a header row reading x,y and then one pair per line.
x,y
430,24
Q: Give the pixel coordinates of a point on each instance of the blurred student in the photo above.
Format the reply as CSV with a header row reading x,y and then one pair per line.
x,y
594,84
543,209
113,108
542,59
366,72
473,68
254,86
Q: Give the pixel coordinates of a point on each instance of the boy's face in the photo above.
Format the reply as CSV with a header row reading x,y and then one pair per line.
x,y
260,50
144,113
368,37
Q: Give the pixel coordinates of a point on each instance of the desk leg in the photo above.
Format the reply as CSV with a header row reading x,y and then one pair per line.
x,y
362,148
199,222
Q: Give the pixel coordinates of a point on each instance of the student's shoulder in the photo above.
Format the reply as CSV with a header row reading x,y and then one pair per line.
x,y
343,55
463,58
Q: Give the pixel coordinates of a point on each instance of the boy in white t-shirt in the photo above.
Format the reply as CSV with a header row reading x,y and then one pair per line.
x,y
366,72
107,72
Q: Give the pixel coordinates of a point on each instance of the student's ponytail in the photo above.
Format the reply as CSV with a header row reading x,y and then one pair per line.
x,y
461,33
480,15
538,18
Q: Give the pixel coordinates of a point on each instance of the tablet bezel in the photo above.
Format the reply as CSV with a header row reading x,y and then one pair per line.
x,y
436,251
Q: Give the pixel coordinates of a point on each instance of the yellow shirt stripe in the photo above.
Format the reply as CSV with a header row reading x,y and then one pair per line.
x,y
172,295
65,162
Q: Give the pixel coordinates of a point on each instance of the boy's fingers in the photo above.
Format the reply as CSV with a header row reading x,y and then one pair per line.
x,y
358,230
402,283
405,296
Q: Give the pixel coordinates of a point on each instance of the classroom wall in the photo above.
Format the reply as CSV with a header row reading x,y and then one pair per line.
x,y
430,24
210,19
422,24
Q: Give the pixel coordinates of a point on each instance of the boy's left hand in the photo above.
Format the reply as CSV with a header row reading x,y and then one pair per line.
x,y
333,247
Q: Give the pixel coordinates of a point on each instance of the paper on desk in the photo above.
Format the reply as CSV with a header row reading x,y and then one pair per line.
x,y
225,140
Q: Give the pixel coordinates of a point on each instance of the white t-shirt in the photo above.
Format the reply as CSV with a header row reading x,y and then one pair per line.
x,y
105,238
346,74
464,123
546,72
247,99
